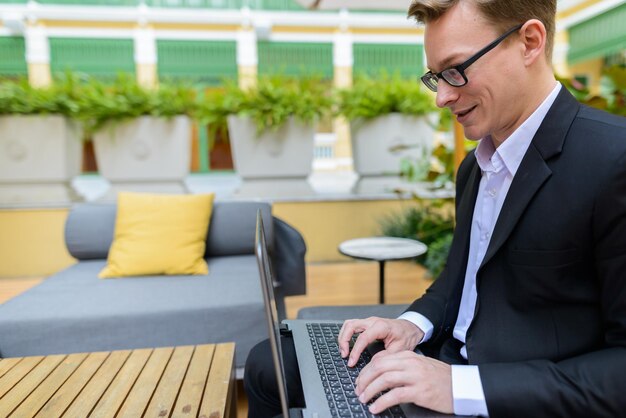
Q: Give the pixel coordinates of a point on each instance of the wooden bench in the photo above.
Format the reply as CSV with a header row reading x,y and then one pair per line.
x,y
186,381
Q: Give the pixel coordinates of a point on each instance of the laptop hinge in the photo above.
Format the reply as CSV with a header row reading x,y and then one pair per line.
x,y
284,330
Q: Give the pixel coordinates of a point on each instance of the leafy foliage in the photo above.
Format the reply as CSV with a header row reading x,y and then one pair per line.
x,y
124,98
19,97
94,102
613,99
430,224
437,254
370,97
270,104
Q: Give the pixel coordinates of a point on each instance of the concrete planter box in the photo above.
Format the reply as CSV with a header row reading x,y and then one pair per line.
x,y
146,154
379,145
283,154
39,156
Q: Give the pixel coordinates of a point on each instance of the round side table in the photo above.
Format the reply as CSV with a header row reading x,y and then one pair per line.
x,y
382,249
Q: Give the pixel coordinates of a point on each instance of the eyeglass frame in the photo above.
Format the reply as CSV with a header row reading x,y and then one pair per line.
x,y
429,76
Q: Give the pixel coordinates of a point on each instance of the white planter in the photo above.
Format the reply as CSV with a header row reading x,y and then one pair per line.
x,y
39,156
380,144
283,154
146,154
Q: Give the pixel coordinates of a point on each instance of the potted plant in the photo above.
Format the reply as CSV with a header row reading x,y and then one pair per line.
x,y
389,122
431,222
142,137
40,142
271,126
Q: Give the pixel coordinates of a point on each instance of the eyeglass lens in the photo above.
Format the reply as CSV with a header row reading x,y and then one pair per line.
x,y
453,77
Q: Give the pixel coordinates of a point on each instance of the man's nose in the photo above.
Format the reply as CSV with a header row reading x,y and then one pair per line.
x,y
446,94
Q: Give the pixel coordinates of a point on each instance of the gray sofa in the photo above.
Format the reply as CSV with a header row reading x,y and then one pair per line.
x,y
75,311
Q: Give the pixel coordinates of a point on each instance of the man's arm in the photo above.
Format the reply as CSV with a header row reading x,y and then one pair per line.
x,y
591,385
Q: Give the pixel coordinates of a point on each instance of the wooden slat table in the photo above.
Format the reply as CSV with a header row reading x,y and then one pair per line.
x,y
187,381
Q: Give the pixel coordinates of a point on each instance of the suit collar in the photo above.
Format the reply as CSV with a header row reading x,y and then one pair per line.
x,y
550,137
534,170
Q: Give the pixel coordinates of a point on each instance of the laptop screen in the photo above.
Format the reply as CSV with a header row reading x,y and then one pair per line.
x,y
271,313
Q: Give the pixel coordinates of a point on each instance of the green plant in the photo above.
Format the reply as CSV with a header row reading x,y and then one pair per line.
x,y
613,92
370,97
437,254
439,166
429,223
124,98
62,97
269,104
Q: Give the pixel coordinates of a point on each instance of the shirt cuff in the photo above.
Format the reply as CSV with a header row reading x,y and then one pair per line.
x,y
421,322
467,391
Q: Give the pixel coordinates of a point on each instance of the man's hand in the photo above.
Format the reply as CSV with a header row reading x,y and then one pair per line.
x,y
408,377
397,335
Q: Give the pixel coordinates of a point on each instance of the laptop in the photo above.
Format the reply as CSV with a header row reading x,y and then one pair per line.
x,y
327,382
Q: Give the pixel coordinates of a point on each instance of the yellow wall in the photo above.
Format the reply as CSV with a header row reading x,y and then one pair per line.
x,y
324,225
32,241
592,69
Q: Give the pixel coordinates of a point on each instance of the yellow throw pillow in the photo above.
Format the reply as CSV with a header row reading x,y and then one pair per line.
x,y
159,234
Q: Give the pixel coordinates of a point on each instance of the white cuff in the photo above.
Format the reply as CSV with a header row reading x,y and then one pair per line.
x,y
467,391
421,322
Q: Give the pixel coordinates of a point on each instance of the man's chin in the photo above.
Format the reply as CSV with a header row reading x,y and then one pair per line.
x,y
472,134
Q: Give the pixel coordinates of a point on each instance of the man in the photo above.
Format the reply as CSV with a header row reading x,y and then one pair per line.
x,y
529,316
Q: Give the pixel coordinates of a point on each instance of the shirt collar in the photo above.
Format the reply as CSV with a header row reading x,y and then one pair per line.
x,y
511,152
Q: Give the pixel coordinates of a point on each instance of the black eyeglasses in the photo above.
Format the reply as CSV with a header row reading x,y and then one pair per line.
x,y
455,76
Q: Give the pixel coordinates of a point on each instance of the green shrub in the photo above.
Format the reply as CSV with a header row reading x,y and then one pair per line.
x,y
20,98
430,224
370,97
270,104
124,98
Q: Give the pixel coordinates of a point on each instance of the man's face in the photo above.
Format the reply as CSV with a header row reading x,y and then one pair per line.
x,y
489,103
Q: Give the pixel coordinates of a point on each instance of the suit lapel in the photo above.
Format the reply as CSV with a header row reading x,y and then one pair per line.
x,y
459,251
534,170
465,208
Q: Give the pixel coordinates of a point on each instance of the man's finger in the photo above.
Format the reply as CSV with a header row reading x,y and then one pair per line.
x,y
348,329
364,339
381,364
395,396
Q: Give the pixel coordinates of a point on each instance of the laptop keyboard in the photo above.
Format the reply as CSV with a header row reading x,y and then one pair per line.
x,y
337,378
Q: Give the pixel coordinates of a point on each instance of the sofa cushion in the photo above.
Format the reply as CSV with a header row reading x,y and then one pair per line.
x,y
233,225
159,234
74,311
89,229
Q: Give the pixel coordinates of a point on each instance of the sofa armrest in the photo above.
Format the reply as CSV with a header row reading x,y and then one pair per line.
x,y
288,259
89,230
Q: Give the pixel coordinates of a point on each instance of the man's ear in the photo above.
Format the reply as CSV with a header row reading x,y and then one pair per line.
x,y
533,35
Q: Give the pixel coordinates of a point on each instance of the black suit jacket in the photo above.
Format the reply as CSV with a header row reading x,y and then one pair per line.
x,y
549,332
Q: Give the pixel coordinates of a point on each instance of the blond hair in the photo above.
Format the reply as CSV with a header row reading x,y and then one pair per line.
x,y
502,14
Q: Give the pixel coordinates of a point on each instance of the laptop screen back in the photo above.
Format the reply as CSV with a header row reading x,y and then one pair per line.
x,y
271,312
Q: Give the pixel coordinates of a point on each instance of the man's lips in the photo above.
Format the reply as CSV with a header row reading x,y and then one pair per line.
x,y
461,115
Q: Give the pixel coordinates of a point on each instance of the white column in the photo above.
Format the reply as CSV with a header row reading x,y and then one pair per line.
x,y
247,57
146,57
37,56
343,61
342,50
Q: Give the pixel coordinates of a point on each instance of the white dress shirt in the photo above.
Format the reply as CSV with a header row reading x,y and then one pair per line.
x,y
498,168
